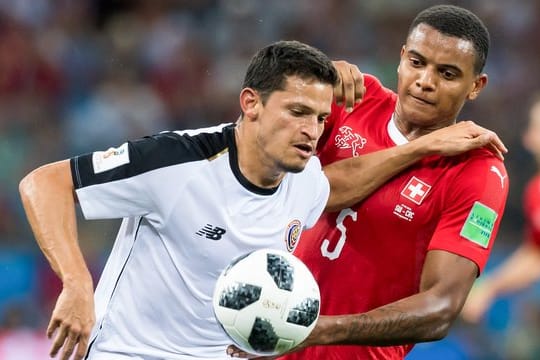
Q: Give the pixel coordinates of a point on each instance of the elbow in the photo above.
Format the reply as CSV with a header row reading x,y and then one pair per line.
x,y
343,196
444,317
439,332
26,186
54,178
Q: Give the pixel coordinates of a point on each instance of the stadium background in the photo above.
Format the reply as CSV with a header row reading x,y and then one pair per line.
x,y
81,75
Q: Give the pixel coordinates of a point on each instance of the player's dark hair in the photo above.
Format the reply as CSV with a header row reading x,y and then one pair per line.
x,y
458,22
270,67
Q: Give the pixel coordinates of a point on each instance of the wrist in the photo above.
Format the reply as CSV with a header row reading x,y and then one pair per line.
x,y
414,151
421,147
330,330
81,280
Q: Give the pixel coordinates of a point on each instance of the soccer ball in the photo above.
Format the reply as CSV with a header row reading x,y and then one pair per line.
x,y
267,301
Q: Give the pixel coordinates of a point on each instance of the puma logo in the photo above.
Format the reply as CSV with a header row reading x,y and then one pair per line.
x,y
498,173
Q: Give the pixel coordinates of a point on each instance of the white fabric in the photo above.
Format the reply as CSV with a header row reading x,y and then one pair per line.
x,y
154,298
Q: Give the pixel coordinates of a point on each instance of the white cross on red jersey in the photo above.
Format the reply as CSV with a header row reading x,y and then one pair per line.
x,y
416,190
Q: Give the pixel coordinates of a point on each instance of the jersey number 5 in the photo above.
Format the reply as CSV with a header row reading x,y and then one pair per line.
x,y
334,254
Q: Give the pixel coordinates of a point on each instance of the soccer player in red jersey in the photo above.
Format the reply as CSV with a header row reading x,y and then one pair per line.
x,y
396,268
522,268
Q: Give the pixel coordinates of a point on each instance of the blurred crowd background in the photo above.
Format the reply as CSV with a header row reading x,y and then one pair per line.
x,y
83,75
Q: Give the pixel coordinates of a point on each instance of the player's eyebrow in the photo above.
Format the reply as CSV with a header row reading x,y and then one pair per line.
x,y
305,109
453,67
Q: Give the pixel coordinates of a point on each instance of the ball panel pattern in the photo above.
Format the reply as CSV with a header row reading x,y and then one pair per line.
x,y
239,295
263,338
281,271
305,313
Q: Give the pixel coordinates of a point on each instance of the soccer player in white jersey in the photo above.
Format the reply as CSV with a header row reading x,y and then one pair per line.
x,y
194,200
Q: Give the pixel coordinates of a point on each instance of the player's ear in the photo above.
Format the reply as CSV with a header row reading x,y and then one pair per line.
x,y
250,103
479,84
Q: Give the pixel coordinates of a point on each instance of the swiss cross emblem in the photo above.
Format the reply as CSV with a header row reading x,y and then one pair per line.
x,y
415,190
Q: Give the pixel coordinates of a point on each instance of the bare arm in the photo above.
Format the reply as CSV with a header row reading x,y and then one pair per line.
x,y
352,180
517,272
426,316
48,198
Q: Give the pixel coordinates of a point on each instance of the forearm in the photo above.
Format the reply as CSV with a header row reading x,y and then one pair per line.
x,y
352,180
415,319
520,270
48,200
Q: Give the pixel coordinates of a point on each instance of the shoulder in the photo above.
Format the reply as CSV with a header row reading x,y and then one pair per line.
x,y
478,161
478,171
314,165
375,88
174,147
312,175
151,153
377,100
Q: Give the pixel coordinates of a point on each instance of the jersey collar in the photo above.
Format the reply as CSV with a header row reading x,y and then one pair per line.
x,y
397,137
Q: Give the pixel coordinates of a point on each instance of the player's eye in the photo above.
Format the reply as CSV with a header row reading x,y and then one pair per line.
x,y
297,112
415,62
448,74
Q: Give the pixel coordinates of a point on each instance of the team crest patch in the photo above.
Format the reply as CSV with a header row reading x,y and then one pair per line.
x,y
416,190
479,224
106,160
292,234
347,139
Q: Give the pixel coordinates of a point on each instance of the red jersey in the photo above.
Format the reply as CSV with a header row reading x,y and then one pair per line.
x,y
531,209
372,254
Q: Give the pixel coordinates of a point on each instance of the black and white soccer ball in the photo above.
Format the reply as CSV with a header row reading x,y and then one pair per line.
x,y
267,301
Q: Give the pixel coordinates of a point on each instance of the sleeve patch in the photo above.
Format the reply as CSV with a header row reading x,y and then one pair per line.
x,y
479,224
114,157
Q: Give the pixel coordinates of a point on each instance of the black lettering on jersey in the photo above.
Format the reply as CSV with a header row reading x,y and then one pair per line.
x,y
211,232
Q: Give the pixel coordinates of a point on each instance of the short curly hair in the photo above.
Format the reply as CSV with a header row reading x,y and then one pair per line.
x,y
458,22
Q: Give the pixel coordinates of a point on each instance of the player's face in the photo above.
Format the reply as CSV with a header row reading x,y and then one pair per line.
x,y
435,78
291,122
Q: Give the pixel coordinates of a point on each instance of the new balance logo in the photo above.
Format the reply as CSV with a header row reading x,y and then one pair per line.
x,y
211,232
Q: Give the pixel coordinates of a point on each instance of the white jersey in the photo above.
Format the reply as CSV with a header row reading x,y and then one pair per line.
x,y
188,211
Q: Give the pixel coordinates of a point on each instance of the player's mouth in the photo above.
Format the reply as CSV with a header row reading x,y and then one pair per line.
x,y
421,100
304,149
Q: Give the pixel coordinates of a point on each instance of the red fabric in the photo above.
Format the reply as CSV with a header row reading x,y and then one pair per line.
x,y
385,238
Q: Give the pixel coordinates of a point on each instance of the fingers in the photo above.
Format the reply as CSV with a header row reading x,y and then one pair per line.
x,y
359,88
69,346
67,338
487,140
59,341
483,137
82,347
498,144
53,324
496,151
350,88
234,351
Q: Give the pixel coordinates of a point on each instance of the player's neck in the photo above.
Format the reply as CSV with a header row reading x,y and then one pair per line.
x,y
412,129
253,165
